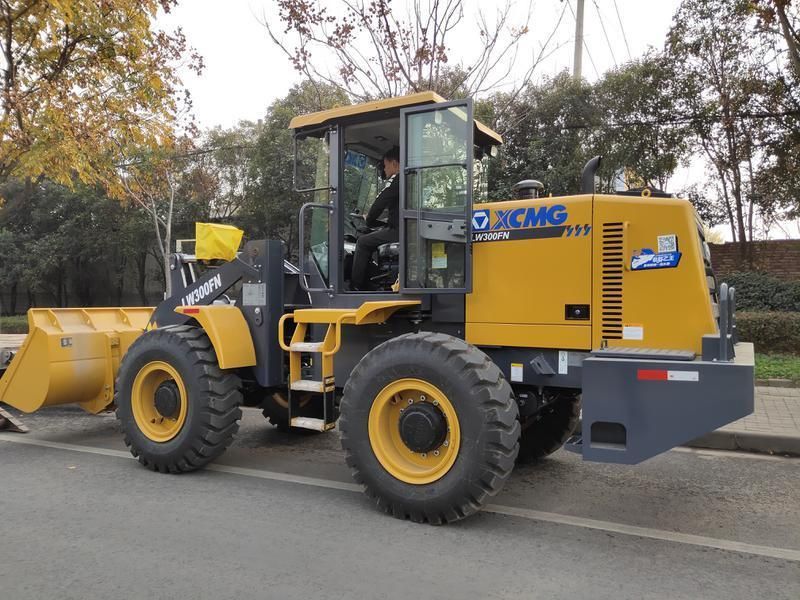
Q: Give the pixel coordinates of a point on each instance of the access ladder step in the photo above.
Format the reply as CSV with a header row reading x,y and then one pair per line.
x,y
311,423
306,346
306,385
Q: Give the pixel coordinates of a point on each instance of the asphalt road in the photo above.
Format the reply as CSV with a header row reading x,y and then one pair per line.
x,y
279,517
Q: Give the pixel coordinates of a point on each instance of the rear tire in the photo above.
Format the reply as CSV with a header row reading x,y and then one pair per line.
x,y
275,409
474,456
207,399
550,428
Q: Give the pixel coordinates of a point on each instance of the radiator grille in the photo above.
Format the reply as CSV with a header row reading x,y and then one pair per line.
x,y
613,265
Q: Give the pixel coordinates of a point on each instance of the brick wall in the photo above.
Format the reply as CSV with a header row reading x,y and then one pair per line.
x,y
780,258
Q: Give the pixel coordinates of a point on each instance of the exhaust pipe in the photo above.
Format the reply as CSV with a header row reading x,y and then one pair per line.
x,y
587,176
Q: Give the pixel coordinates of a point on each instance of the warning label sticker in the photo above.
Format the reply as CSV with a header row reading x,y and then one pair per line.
x,y
438,256
632,332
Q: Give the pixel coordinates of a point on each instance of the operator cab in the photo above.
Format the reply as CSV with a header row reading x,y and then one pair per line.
x,y
443,164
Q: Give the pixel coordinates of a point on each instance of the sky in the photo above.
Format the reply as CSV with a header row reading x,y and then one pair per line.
x,y
245,71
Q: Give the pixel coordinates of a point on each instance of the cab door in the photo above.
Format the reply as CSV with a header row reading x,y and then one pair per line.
x,y
436,154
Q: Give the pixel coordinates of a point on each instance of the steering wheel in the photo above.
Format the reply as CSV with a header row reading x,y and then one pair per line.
x,y
359,222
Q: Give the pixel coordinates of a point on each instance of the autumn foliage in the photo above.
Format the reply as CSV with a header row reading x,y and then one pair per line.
x,y
81,79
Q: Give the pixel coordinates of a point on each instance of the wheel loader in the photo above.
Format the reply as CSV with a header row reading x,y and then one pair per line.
x,y
489,331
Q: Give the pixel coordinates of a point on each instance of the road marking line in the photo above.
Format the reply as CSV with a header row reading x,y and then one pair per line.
x,y
525,513
647,532
732,454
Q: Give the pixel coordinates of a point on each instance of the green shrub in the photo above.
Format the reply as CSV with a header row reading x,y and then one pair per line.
x,y
14,324
777,366
771,332
760,291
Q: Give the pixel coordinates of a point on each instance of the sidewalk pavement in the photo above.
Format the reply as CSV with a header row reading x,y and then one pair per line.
x,y
773,428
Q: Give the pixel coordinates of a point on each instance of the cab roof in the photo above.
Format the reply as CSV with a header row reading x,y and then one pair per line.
x,y
483,134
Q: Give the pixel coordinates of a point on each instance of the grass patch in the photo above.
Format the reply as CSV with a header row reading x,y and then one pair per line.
x,y
14,324
778,366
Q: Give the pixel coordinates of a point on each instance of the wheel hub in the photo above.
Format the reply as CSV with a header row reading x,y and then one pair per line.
x,y
167,399
423,427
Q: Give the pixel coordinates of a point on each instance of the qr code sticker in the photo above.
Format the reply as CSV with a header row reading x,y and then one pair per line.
x,y
668,243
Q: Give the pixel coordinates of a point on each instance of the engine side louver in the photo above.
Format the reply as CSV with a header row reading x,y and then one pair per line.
x,y
613,266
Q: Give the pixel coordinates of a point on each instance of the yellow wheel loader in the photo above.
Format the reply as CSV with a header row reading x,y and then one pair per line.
x,y
487,332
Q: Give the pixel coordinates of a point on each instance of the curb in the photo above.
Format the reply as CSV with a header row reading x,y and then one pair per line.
x,y
744,441
748,441
780,383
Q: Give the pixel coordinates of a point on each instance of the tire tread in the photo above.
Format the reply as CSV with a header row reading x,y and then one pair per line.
x,y
219,416
501,421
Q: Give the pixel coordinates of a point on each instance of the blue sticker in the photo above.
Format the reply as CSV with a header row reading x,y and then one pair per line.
x,y
355,159
647,259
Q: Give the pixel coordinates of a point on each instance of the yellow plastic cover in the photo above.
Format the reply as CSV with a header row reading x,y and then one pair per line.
x,y
214,241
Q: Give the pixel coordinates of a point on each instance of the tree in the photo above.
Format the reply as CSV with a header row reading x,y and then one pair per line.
x,y
546,132
704,197
552,128
722,83
222,173
777,183
638,131
270,205
150,181
378,52
79,79
67,246
781,14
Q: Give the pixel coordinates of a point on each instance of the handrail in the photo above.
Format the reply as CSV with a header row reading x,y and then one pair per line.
x,y
338,330
281,330
724,313
732,317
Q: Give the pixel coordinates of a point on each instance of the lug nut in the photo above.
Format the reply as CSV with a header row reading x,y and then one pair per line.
x,y
436,453
436,403
446,443
411,401
422,397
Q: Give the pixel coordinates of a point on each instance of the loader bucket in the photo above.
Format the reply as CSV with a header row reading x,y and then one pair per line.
x,y
71,356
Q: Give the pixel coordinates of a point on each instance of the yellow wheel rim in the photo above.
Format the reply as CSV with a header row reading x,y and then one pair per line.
x,y
151,423
390,449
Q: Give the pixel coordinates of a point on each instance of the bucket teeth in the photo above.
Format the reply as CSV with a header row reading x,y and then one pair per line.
x,y
9,422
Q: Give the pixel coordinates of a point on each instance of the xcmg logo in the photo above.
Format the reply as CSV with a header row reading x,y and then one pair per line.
x,y
519,223
519,218
480,220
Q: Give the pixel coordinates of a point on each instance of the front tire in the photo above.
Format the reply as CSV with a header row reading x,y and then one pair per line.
x,y
178,410
429,425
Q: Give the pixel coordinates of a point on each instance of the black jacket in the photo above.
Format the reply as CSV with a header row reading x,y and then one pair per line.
x,y
388,199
